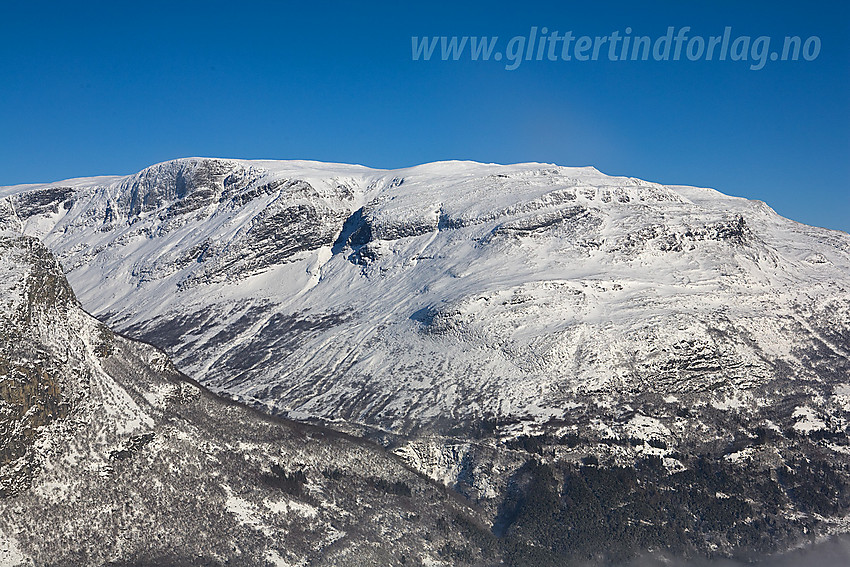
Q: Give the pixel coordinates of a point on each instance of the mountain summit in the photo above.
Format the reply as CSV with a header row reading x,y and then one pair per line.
x,y
516,332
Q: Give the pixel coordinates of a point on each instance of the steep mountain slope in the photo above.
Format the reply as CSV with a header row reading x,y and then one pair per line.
x,y
108,455
578,353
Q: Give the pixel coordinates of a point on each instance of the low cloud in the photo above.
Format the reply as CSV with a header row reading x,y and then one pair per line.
x,y
834,552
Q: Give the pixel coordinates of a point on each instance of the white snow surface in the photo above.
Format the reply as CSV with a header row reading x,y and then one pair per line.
x,y
480,289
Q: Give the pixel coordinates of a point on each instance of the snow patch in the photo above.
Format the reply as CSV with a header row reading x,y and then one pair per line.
x,y
246,513
807,420
10,553
291,507
273,557
738,400
740,456
646,428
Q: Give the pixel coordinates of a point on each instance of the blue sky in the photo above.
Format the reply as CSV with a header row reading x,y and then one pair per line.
x,y
101,88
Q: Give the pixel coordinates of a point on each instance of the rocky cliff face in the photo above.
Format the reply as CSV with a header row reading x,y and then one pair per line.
x,y
590,359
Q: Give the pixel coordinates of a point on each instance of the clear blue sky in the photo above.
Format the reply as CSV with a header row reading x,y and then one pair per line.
x,y
101,88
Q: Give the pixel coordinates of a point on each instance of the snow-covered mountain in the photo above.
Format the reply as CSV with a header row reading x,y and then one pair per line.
x,y
446,292
499,327
449,292
109,456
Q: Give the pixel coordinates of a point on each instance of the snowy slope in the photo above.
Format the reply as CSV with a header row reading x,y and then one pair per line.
x,y
442,293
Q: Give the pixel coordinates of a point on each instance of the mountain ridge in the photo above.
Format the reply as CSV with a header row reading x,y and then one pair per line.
x,y
128,462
